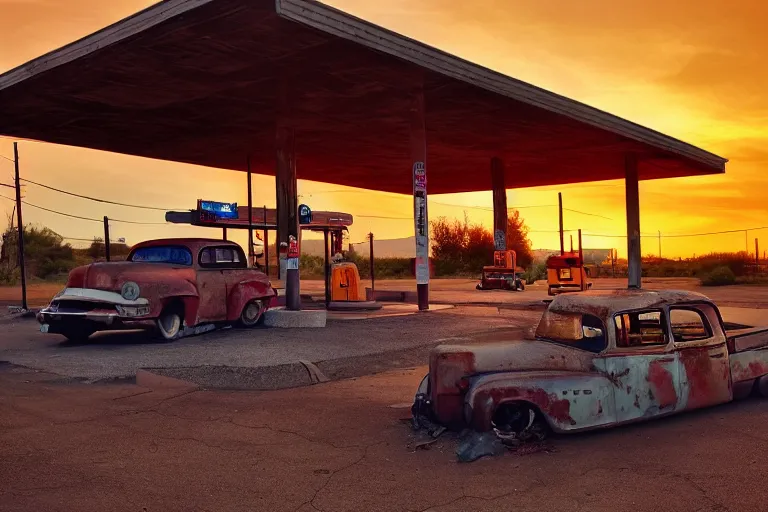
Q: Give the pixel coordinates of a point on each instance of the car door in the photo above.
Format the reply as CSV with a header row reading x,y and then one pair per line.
x,y
702,354
211,287
643,366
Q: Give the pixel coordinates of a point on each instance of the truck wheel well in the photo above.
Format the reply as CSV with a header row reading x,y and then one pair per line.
x,y
175,305
520,418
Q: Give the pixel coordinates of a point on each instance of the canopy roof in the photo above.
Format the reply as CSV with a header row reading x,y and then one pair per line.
x,y
199,81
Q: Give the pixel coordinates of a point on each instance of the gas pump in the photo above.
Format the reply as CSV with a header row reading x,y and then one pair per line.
x,y
502,275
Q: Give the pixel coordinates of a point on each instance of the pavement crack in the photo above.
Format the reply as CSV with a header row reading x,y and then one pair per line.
x,y
311,501
719,507
132,395
294,433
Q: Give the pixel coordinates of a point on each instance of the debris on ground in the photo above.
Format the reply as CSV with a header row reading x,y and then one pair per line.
x,y
474,445
424,445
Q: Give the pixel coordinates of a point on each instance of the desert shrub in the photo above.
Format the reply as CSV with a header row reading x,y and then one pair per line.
x,y
535,273
719,276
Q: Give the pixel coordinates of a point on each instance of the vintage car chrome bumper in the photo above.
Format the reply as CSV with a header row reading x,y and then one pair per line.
x,y
98,306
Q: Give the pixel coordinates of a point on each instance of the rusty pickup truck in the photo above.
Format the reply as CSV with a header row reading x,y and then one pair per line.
x,y
599,359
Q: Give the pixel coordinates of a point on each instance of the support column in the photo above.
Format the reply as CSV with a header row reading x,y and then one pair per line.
x,y
251,258
287,209
632,193
420,217
499,204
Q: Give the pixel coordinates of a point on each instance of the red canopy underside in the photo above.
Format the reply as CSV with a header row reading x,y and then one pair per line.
x,y
203,88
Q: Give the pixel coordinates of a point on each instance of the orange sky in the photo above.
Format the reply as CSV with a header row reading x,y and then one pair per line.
x,y
692,69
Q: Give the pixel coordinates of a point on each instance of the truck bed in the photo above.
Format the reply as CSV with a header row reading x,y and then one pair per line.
x,y
741,340
748,354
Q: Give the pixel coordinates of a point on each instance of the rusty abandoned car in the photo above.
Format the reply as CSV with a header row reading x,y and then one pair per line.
x,y
599,359
173,286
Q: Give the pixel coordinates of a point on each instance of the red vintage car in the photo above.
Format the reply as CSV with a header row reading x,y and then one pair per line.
x,y
175,286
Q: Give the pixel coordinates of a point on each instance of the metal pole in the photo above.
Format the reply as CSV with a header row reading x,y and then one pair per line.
x,y
370,257
250,216
106,238
571,243
20,228
266,243
560,214
613,262
581,251
327,268
224,233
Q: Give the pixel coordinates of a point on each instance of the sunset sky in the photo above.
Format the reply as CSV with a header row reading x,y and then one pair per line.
x,y
692,69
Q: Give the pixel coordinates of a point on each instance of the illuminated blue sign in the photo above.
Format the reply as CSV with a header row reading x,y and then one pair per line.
x,y
305,214
220,210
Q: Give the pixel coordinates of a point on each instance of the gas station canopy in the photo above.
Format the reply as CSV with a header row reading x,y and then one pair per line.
x,y
206,81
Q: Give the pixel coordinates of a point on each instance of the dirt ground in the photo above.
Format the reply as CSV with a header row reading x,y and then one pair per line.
x,y
342,446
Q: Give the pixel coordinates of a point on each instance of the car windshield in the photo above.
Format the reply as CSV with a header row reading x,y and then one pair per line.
x,y
163,254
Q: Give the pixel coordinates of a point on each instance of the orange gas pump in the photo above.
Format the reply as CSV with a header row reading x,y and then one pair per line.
x,y
566,272
502,274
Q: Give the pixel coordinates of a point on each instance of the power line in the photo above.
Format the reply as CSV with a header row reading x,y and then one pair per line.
x,y
95,198
9,159
100,221
470,207
714,232
383,217
94,239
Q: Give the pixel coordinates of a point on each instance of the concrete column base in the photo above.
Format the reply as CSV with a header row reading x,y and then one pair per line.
x,y
285,319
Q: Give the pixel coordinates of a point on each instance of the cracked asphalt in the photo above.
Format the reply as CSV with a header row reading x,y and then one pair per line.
x,y
342,446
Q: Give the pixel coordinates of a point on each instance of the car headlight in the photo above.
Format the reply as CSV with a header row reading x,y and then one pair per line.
x,y
130,291
131,311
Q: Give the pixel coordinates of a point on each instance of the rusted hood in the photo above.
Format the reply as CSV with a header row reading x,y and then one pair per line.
x,y
111,276
519,355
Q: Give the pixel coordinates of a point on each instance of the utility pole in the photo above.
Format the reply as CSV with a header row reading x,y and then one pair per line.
x,y
106,238
746,242
20,228
757,254
659,244
560,212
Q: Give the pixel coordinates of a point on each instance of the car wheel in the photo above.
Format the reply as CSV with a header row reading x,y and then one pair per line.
x,y
521,286
78,334
519,423
761,386
169,325
252,314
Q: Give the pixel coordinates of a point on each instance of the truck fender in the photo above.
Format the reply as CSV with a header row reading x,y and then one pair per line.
x,y
182,292
568,401
244,292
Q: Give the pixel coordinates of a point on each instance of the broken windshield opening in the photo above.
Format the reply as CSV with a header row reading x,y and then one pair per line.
x,y
582,331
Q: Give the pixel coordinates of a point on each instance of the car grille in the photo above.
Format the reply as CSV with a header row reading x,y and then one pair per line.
x,y
81,305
